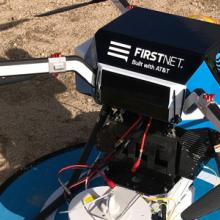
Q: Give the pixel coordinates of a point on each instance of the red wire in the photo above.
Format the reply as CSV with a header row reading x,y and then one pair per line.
x,y
143,140
108,157
76,166
127,132
77,183
109,182
145,135
136,122
81,166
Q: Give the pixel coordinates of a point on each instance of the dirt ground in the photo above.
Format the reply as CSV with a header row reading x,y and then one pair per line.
x,y
44,114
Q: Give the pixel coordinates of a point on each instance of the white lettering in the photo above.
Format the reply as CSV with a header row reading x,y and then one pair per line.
x,y
159,57
137,51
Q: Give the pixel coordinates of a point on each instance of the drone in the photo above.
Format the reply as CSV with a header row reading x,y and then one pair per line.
x,y
156,142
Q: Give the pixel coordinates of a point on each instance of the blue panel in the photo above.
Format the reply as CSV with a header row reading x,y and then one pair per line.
x,y
195,124
83,87
25,197
202,79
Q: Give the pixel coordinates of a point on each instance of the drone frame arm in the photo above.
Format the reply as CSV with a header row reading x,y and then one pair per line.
x,y
210,110
48,65
210,201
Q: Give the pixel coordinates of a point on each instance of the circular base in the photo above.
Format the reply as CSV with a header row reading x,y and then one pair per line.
x,y
104,203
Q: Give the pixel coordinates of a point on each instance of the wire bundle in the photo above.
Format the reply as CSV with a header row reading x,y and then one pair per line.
x,y
96,170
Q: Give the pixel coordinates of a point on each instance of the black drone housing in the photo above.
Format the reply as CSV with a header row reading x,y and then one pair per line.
x,y
145,59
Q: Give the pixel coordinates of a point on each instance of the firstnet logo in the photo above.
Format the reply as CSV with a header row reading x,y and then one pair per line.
x,y
119,50
147,58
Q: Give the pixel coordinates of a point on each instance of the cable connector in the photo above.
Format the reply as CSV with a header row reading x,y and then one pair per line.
x,y
118,143
57,64
138,162
217,148
111,183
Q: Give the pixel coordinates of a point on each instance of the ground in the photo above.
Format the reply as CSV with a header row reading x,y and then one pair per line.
x,y
45,114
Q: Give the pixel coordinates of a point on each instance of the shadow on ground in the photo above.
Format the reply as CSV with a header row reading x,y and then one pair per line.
x,y
34,123
11,24
15,54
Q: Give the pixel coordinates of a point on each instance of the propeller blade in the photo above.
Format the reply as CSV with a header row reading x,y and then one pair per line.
x,y
210,202
69,8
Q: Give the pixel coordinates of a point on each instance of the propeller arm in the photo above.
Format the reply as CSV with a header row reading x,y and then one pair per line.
x,y
211,200
48,65
199,99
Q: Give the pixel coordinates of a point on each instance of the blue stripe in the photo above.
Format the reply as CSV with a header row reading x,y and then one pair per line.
x,y
24,198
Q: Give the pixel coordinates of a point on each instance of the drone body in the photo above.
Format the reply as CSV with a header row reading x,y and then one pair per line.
x,y
149,63
157,77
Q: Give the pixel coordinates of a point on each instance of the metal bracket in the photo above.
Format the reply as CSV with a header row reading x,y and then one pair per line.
x,y
197,99
57,64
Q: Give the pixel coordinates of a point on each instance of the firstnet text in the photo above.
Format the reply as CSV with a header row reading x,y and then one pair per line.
x,y
159,57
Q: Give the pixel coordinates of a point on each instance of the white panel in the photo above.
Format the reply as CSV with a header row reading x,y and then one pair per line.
x,y
209,178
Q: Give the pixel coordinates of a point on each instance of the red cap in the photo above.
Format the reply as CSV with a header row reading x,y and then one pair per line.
x,y
209,97
130,7
55,55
